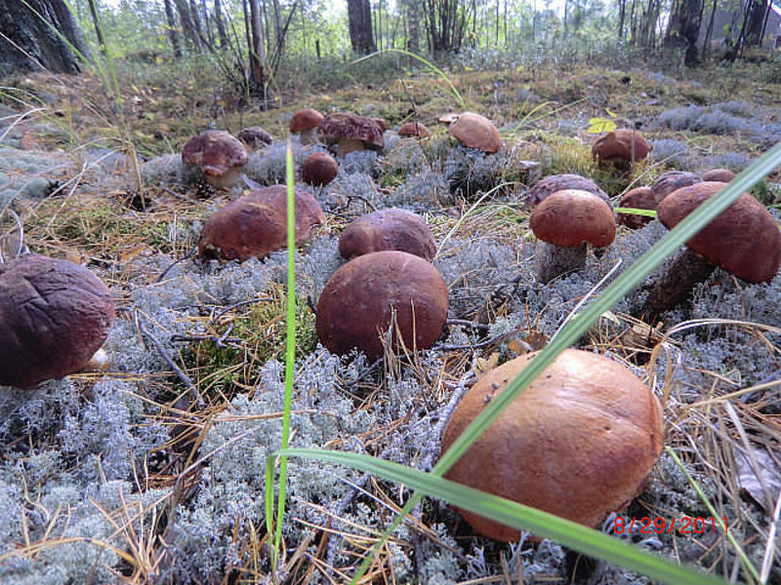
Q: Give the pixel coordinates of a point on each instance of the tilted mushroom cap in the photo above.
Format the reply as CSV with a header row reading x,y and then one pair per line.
x,y
357,303
672,181
743,239
544,187
256,224
350,127
448,118
255,137
306,119
577,443
637,198
571,217
720,175
388,229
476,131
54,315
415,129
217,153
620,147
319,169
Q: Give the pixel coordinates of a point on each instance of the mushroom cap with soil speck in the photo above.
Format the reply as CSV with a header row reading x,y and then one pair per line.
x,y
544,187
743,239
672,181
476,131
571,217
54,316
720,175
357,304
319,169
256,224
621,148
637,198
578,442
219,155
388,229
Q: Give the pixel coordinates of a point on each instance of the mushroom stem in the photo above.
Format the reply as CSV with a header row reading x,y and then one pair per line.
x,y
553,261
675,284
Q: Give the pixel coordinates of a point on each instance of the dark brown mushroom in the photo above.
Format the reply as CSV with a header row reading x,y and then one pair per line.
x,y
319,169
54,315
388,229
672,181
255,137
359,301
743,239
414,130
306,123
578,442
476,131
350,132
620,148
544,187
637,198
720,175
256,224
566,222
219,155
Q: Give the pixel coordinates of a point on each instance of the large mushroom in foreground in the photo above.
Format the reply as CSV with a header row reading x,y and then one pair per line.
x,y
54,315
376,291
388,229
219,155
578,442
743,239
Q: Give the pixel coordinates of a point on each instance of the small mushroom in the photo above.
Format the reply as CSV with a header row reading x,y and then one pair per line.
x,y
620,148
360,300
476,131
256,224
306,123
350,132
567,222
544,187
637,198
319,169
720,175
672,181
578,442
255,137
388,229
54,315
414,130
219,155
743,239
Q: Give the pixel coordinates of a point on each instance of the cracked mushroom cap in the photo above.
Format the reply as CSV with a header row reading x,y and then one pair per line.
x,y
578,442
216,152
256,224
306,119
414,129
319,169
672,181
637,198
620,147
358,301
743,239
476,131
388,229
720,175
54,315
549,185
570,218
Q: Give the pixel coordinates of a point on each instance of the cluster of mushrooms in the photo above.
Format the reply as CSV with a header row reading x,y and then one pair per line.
x,y
577,443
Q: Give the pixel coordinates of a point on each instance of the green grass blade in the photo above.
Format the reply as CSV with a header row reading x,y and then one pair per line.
x,y
636,211
575,536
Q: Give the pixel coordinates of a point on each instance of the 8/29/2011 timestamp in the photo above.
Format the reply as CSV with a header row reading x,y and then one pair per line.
x,y
660,525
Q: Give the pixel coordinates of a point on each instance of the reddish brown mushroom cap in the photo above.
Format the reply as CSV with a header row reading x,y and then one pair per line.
x,y
577,443
637,198
319,169
256,224
306,119
719,175
388,229
672,181
54,315
743,239
357,303
545,187
358,131
476,131
620,147
571,217
414,129
215,151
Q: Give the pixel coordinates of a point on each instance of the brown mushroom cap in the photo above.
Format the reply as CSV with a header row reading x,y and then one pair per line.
x,y
448,118
620,147
306,119
544,187
54,315
637,198
720,175
215,151
414,129
571,217
350,127
256,224
578,442
358,300
743,239
255,137
388,229
672,181
319,169
476,131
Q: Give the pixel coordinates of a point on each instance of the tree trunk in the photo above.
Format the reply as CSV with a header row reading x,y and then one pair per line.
x,y
188,28
173,34
221,33
359,13
412,10
683,29
197,22
621,18
34,44
756,18
709,32
257,54
93,9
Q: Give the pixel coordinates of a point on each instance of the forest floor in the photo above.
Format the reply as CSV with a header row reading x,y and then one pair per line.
x,y
125,476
